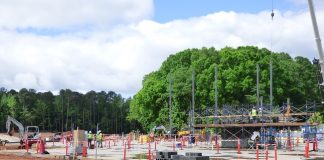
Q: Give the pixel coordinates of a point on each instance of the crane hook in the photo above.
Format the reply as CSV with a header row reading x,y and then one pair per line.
x,y
272,15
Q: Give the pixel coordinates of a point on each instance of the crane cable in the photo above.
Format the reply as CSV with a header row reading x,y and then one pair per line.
x,y
272,13
271,27
271,75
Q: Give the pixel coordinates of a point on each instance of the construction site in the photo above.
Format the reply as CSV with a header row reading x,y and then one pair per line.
x,y
280,135
260,131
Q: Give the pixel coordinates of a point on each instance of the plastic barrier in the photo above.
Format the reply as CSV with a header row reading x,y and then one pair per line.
x,y
307,149
129,142
266,150
238,146
217,148
84,149
149,151
27,146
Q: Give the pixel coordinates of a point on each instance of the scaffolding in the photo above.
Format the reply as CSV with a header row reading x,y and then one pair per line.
x,y
273,124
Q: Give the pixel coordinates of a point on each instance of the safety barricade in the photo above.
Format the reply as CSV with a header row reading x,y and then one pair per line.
x,y
266,151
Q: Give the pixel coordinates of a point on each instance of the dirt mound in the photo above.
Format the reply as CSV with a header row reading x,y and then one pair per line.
x,y
9,138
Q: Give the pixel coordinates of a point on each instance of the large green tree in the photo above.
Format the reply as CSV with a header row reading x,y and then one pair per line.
x,y
293,78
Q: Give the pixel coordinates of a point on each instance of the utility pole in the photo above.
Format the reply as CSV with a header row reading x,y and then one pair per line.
x,y
271,83
216,95
258,87
193,102
170,106
317,36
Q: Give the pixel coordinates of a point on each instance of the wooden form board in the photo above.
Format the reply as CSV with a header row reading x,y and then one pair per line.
x,y
280,124
79,137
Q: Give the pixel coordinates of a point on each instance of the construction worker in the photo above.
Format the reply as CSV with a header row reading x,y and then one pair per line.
x,y
99,139
90,138
254,114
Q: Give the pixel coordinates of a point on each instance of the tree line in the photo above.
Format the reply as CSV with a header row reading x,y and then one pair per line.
x,y
295,78
67,110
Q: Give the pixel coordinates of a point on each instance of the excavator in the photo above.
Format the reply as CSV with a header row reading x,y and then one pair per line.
x,y
30,133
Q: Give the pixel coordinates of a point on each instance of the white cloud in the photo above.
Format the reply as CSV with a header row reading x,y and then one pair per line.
x,y
71,13
118,57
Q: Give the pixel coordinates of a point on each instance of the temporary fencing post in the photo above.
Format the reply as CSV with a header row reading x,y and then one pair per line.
x,y
267,153
217,147
154,145
290,144
257,151
297,142
314,145
141,137
239,146
27,145
95,142
181,143
66,148
173,145
129,143
53,141
149,151
275,149
37,146
109,143
124,151
196,139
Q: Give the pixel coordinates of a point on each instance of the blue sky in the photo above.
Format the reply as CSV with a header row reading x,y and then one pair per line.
x,y
167,10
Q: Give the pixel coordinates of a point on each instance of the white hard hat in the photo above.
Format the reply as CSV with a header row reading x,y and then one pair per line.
x,y
89,131
99,131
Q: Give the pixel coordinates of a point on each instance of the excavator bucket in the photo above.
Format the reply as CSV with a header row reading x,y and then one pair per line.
x,y
12,132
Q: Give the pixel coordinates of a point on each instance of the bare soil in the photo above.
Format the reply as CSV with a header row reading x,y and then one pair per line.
x,y
16,157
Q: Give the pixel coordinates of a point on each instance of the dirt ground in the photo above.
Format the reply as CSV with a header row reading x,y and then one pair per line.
x,y
15,136
16,157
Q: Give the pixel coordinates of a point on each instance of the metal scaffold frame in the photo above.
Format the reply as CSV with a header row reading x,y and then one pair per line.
x,y
234,122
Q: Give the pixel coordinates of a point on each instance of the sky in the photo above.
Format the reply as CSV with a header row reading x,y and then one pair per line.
x,y
110,45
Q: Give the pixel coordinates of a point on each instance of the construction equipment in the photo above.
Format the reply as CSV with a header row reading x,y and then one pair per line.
x,y
30,133
183,133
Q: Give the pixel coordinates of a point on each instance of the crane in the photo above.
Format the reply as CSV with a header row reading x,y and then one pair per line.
x,y
317,36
